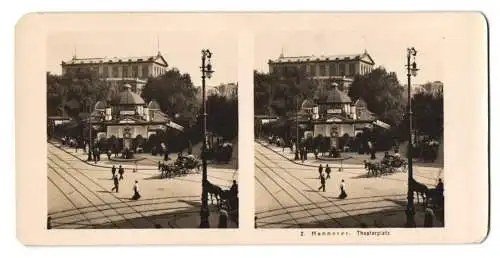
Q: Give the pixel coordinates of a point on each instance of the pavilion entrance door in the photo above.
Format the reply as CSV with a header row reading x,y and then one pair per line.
x,y
127,143
127,139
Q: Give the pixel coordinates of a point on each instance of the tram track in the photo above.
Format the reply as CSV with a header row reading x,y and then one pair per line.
x,y
169,217
327,202
70,201
263,156
87,198
416,172
100,187
311,202
277,201
54,215
295,199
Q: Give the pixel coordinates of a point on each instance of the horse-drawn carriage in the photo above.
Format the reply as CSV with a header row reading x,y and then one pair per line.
x,y
182,166
225,198
388,165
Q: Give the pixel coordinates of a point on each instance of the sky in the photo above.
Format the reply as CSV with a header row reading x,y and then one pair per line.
x,y
180,49
386,47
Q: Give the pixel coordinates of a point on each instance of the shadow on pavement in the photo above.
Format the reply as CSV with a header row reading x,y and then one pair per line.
x,y
388,218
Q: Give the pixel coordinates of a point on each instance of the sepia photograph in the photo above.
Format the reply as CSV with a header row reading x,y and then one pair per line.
x,y
348,129
142,130
358,128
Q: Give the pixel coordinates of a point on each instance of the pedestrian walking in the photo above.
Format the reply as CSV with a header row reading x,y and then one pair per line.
x,y
113,171
343,193
320,170
322,181
121,171
328,171
116,183
109,154
136,195
76,146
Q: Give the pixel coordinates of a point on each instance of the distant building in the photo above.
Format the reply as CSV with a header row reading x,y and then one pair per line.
x,y
118,71
229,90
433,88
340,69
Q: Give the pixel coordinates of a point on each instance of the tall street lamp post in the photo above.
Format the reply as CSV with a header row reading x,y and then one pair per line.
x,y
89,157
206,72
411,71
297,129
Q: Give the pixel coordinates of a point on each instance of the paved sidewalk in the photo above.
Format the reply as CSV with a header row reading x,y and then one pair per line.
x,y
146,162
347,162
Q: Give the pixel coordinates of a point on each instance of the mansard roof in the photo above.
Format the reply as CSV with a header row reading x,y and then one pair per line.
x,y
313,58
159,59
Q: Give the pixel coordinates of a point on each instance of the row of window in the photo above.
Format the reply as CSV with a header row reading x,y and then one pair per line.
x,y
332,69
127,71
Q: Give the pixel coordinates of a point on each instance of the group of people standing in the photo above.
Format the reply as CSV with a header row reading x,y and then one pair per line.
x,y
323,179
119,176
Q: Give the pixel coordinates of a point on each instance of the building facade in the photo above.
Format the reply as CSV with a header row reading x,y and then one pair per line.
x,y
340,69
117,71
332,114
130,118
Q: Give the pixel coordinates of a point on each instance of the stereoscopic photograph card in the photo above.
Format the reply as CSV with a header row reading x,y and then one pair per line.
x,y
253,128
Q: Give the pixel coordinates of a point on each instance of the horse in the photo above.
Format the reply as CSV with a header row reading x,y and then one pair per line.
x,y
373,168
421,189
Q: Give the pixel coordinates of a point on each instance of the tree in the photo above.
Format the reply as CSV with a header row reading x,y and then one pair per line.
x,y
73,94
176,95
222,116
277,93
383,94
427,111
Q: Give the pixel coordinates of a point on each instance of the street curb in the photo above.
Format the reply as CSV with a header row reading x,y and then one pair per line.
x,y
89,163
298,163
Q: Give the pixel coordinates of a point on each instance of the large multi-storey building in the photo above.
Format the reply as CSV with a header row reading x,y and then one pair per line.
x,y
118,71
325,70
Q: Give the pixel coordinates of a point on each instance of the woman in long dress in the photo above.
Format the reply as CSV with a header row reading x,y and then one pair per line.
x,y
136,195
343,194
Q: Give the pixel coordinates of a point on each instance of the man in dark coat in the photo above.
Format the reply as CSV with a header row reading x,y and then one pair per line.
x,y
113,171
121,171
322,180
116,182
320,170
234,189
327,171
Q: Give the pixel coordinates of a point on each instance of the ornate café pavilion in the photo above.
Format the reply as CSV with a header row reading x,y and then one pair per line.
x,y
130,118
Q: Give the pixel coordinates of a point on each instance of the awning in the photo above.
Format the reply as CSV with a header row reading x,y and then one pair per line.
x,y
175,126
381,124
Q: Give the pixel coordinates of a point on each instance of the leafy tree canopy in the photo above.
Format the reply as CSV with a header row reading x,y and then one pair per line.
x,y
383,94
176,95
278,93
